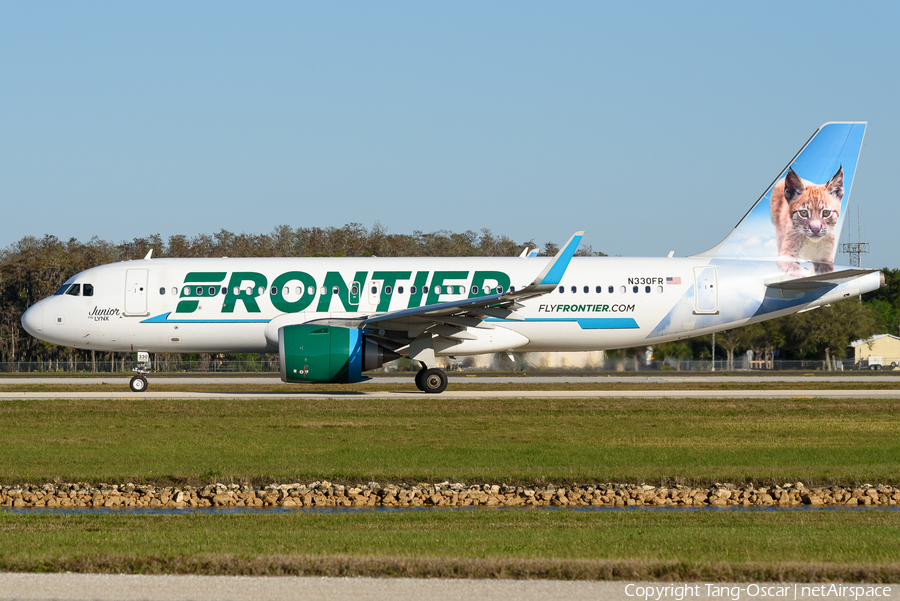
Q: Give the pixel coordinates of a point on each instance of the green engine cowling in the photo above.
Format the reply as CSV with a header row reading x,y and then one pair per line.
x,y
321,353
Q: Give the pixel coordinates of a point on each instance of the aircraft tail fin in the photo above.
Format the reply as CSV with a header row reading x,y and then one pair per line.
x,y
798,219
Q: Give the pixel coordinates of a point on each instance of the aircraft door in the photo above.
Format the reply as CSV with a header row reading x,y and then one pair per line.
x,y
354,292
706,291
136,292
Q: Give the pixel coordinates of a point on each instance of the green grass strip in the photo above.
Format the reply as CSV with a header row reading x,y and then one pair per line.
x,y
487,440
706,545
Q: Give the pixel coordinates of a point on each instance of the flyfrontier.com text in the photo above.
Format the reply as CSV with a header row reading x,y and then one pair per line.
x,y
682,592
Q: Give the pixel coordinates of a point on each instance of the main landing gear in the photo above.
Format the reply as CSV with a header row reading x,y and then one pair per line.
x,y
431,380
139,382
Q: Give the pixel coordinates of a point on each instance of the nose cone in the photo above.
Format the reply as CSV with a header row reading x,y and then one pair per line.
x,y
33,320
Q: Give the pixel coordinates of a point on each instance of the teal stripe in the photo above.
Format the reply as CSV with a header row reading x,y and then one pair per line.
x,y
164,318
585,323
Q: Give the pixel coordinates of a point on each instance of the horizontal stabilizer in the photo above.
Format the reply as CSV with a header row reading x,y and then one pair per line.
x,y
821,280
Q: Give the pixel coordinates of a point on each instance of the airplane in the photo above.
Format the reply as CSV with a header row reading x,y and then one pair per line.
x,y
332,319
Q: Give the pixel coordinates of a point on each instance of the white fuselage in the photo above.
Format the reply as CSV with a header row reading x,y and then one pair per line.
x,y
238,305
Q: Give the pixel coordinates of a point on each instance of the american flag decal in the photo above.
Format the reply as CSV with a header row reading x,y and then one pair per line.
x,y
673,280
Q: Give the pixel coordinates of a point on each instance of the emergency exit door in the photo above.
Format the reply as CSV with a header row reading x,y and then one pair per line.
x,y
706,291
136,292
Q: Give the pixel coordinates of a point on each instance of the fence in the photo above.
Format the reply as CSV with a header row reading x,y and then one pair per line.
x,y
272,366
170,366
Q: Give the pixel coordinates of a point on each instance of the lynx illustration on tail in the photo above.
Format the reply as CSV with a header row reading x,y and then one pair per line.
x,y
806,217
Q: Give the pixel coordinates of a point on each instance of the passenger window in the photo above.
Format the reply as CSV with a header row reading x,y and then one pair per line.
x,y
586,289
354,290
237,290
299,291
659,289
273,291
635,289
288,291
437,289
186,291
88,290
647,289
574,289
374,289
599,289
512,289
562,289
499,290
412,289
611,289
162,291
174,291
224,290
387,290
335,290
260,290
474,289
424,289
323,290
311,290
213,290
400,290
622,289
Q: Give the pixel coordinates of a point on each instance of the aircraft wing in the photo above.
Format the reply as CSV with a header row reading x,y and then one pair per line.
x,y
464,313
821,280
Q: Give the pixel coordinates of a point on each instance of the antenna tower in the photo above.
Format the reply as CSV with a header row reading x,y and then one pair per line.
x,y
855,249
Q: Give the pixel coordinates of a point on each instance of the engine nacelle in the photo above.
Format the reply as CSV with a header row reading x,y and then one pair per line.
x,y
320,353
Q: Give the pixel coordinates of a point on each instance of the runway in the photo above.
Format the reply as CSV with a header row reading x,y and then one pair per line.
x,y
120,391
455,378
126,587
462,395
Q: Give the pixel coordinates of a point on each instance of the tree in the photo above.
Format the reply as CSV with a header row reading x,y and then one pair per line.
x,y
828,331
677,349
731,341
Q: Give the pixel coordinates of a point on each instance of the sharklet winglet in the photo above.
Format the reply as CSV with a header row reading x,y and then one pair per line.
x,y
554,271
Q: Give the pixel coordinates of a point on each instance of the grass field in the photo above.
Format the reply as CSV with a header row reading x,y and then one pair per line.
x,y
697,441
512,441
457,383
707,545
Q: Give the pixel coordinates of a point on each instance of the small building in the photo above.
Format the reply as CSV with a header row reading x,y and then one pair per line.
x,y
886,346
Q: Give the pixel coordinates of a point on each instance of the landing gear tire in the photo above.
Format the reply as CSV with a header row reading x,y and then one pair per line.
x,y
433,380
419,375
138,384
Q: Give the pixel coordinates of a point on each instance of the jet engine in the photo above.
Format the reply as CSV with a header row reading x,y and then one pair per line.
x,y
321,353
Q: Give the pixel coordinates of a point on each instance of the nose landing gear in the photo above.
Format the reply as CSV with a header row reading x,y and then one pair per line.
x,y
139,382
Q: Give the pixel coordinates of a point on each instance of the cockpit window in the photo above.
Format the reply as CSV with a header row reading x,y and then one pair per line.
x,y
75,290
87,290
62,289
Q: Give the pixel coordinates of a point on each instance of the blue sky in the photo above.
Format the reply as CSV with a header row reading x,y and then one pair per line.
x,y
653,126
